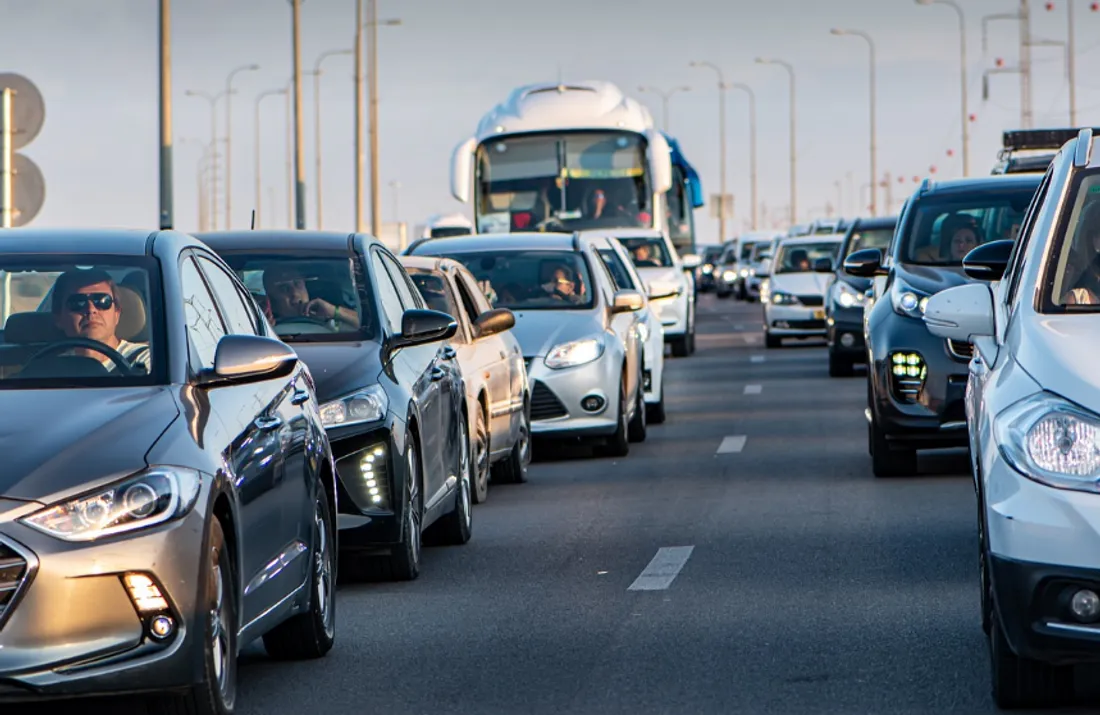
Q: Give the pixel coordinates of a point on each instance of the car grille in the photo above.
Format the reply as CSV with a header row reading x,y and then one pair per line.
x,y
960,349
811,301
13,571
545,405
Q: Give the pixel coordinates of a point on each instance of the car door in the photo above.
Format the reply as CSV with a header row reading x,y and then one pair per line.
x,y
624,325
249,415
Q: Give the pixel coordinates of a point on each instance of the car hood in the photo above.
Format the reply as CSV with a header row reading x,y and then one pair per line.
x,y
339,369
662,278
56,442
801,283
931,279
538,331
1060,351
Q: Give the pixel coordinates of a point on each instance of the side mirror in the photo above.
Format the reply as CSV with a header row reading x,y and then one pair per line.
x,y
244,358
492,322
823,265
627,301
462,169
961,313
864,264
691,261
419,327
989,261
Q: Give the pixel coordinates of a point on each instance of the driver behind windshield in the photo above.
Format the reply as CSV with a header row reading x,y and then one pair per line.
x,y
86,305
563,285
643,256
289,298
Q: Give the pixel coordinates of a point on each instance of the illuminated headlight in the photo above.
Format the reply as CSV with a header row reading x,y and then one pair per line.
x,y
908,302
708,269
744,272
578,352
846,296
781,298
372,470
1052,441
729,276
367,405
151,497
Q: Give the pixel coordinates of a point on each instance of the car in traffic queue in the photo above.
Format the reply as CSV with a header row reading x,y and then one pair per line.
x,y
847,295
1033,415
705,276
580,339
754,252
917,381
669,277
492,367
168,495
392,398
794,293
725,270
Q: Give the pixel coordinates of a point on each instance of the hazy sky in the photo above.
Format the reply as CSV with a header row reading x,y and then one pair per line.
x,y
450,61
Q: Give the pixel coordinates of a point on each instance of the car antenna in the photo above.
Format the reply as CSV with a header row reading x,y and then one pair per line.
x,y
253,219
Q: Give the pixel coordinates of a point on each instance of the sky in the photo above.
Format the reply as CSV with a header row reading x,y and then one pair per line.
x,y
450,61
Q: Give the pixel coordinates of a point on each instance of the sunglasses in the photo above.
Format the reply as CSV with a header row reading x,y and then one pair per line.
x,y
79,302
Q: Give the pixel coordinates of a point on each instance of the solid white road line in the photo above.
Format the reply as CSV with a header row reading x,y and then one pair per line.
x,y
732,444
753,389
663,569
757,358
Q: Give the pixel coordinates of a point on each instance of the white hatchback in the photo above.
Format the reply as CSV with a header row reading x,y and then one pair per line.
x,y
794,293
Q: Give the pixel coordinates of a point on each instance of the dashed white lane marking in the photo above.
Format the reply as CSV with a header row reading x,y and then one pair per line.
x,y
663,569
757,358
753,389
732,444
750,337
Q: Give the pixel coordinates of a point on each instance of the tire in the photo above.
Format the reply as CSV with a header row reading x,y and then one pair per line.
x,y
656,410
311,634
722,295
1023,683
772,341
456,527
839,366
636,431
886,461
403,563
481,465
513,469
215,695
618,444
681,346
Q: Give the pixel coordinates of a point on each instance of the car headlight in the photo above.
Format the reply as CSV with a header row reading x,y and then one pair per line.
x,y
728,276
744,272
781,298
708,269
572,354
908,302
367,405
846,296
1051,441
150,497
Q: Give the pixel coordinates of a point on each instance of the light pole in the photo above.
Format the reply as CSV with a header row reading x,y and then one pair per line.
x,y
962,74
228,140
165,61
259,152
665,97
874,151
1071,60
299,148
317,124
721,145
290,154
213,100
794,152
752,147
360,124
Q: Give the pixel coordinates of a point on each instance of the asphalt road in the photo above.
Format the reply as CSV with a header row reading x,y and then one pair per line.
x,y
808,587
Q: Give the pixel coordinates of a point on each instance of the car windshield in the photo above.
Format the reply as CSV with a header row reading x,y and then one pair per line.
x,y
760,249
869,238
747,249
531,279
1074,283
943,230
800,257
712,254
308,297
647,252
434,291
81,321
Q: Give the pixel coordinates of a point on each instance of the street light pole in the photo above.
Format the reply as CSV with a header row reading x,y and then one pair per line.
x,y
259,152
165,55
962,73
228,140
665,97
299,144
874,151
317,125
1071,64
290,154
752,148
213,100
360,106
721,145
794,148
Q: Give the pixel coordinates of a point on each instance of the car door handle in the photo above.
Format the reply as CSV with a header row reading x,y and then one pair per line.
x,y
448,353
438,374
300,397
268,422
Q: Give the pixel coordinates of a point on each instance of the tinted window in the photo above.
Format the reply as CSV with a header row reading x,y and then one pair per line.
x,y
800,257
1074,282
433,291
387,294
617,269
648,252
404,289
204,324
237,313
942,230
870,238
531,280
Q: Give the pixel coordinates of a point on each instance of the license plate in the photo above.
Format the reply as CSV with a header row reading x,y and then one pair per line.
x,y
819,314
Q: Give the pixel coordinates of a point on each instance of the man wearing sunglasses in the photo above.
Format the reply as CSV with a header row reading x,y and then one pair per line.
x,y
85,305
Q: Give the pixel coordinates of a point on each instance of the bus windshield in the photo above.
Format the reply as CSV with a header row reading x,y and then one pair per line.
x,y
563,182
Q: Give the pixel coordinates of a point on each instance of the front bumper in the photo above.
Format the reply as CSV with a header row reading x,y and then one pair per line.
x,y
363,522
556,397
73,628
844,332
794,320
935,416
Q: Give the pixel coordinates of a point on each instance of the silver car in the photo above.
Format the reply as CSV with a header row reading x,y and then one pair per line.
x,y
580,338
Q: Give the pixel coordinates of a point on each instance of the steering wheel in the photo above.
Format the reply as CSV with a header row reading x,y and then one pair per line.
x,y
314,325
116,357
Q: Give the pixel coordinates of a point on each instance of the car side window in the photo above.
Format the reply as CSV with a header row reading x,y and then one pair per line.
x,y
204,324
1019,250
239,314
387,294
614,266
471,288
408,292
468,303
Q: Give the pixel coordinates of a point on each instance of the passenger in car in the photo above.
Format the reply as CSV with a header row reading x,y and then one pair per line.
x,y
86,305
286,290
1081,285
959,234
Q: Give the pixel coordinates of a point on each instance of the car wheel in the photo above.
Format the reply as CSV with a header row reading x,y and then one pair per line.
x,y
657,409
618,444
403,563
839,366
680,346
481,458
311,634
772,341
983,575
455,528
720,294
513,470
217,693
637,429
1024,683
887,461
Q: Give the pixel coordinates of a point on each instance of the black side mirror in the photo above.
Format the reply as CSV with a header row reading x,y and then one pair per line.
x,y
419,327
864,264
823,265
989,261
492,322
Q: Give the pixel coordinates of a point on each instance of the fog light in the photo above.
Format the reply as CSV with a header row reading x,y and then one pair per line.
x,y
162,627
592,403
1085,605
145,593
847,340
